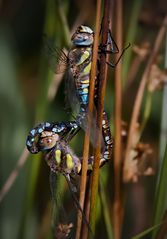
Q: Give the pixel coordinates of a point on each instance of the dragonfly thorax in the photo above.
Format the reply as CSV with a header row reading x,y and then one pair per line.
x,y
61,159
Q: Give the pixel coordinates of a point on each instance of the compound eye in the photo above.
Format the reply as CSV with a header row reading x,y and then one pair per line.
x,y
48,142
86,37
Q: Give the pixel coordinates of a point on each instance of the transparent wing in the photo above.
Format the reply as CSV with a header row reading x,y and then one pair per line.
x,y
77,205
56,57
71,97
60,226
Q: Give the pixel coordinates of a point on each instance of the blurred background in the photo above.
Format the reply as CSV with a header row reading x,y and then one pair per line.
x,y
30,93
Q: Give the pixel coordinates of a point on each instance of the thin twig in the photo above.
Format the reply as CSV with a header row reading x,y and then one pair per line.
x,y
118,207
100,108
90,109
128,173
12,177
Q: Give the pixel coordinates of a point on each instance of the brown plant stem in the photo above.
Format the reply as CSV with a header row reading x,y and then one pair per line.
x,y
90,109
118,207
100,108
127,172
84,232
12,177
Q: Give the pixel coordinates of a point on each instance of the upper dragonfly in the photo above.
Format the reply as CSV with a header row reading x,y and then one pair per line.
x,y
78,60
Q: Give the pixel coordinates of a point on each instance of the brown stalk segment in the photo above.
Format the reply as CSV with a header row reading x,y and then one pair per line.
x,y
12,177
100,108
90,109
118,207
127,173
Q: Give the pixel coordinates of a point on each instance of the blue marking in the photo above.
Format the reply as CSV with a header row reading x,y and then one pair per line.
x,y
82,93
82,42
84,99
40,130
33,131
47,124
82,109
28,143
54,129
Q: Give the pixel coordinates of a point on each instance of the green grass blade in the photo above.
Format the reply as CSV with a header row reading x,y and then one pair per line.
x,y
106,211
161,194
130,36
147,231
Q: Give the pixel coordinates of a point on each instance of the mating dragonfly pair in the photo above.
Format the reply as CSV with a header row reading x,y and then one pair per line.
x,y
53,138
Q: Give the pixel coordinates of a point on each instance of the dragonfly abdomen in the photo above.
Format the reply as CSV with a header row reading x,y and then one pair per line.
x,y
80,60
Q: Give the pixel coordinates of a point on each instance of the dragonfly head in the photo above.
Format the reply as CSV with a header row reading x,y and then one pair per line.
x,y
41,138
83,36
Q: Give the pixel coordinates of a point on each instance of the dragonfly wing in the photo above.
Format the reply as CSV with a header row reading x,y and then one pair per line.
x,y
78,206
57,58
60,227
71,96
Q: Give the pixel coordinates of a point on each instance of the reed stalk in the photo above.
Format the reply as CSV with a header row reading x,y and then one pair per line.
x,y
118,204
90,109
160,197
100,107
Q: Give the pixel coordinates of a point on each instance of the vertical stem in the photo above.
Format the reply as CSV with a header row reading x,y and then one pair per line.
x,y
164,112
90,109
100,108
118,207
161,194
131,32
161,183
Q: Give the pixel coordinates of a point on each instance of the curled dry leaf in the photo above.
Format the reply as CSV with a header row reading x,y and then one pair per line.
x,y
141,161
157,78
124,132
63,230
143,50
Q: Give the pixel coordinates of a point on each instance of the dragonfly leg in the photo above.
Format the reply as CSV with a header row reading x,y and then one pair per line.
x,y
113,49
72,128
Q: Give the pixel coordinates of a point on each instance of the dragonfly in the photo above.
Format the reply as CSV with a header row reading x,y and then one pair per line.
x,y
52,139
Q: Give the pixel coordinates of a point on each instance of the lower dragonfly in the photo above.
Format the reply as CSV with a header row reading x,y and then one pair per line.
x,y
52,139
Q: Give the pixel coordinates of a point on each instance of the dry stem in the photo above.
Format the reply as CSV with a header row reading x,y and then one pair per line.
x,y
90,109
12,177
100,108
118,207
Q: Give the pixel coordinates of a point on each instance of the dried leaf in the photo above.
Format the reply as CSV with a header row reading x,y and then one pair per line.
x,y
157,78
140,161
143,50
63,230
